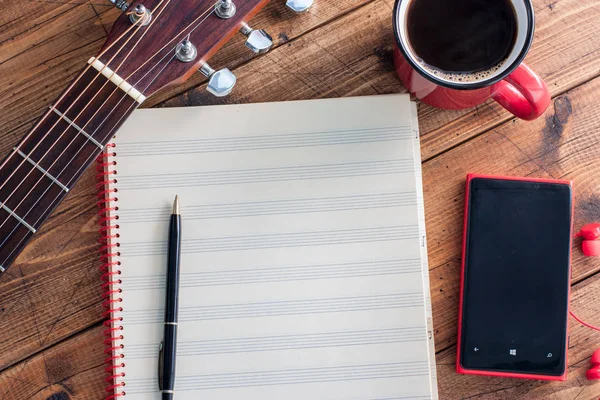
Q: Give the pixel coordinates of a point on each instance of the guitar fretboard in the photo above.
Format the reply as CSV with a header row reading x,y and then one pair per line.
x,y
41,170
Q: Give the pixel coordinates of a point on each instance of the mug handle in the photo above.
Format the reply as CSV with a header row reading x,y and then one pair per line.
x,y
522,93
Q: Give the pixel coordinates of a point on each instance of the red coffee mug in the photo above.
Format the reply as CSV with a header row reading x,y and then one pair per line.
x,y
514,85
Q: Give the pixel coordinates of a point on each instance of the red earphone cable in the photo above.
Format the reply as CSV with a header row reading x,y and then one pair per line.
x,y
584,323
590,232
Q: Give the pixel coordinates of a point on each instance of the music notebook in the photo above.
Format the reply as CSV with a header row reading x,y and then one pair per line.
x,y
304,264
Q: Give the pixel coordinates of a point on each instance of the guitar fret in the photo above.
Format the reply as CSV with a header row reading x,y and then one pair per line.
x,y
15,216
80,130
42,170
60,148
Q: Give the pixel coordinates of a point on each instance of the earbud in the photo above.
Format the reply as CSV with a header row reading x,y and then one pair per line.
x,y
593,373
591,239
590,231
591,248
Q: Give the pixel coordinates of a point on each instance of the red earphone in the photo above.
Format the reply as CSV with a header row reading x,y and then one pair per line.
x,y
591,243
591,247
593,373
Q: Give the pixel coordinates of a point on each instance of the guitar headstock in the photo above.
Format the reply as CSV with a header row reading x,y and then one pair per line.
x,y
157,43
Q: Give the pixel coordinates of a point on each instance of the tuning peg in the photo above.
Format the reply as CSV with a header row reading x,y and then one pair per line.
x,y
120,4
140,15
221,82
186,51
299,5
225,9
258,41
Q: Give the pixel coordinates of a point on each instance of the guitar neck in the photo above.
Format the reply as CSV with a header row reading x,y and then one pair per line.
x,y
46,164
151,46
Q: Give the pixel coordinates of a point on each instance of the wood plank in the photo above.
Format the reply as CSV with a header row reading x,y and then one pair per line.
x,y
367,72
301,72
54,290
281,23
37,63
572,154
33,73
584,342
352,57
73,369
70,370
18,20
565,53
564,145
567,26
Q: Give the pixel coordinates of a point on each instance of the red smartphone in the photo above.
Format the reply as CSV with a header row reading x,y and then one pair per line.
x,y
515,278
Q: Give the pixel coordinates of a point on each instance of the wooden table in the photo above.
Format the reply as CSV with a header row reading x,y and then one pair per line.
x,y
51,343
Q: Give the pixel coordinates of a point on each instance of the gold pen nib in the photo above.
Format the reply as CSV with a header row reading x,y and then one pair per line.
x,y
176,206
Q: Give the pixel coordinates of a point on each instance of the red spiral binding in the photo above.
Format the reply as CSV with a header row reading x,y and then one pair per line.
x,y
110,267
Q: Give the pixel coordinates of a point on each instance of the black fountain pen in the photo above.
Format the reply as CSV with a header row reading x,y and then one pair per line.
x,y
168,348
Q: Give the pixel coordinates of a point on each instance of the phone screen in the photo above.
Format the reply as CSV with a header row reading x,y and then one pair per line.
x,y
517,276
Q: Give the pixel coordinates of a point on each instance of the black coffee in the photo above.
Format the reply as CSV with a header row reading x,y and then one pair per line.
x,y
462,37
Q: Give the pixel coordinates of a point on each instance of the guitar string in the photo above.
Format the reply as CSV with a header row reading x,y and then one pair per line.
x,y
70,87
205,15
37,164
95,154
182,32
28,156
86,124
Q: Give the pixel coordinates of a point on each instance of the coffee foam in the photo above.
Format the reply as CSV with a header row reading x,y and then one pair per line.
x,y
463,77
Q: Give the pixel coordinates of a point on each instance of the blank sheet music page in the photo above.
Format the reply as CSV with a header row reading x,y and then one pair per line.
x,y
301,268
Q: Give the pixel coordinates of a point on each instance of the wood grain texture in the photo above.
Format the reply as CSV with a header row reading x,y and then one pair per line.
x,y
281,23
40,56
562,144
585,301
352,57
54,290
349,57
143,56
565,53
51,342
74,369
70,370
97,107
